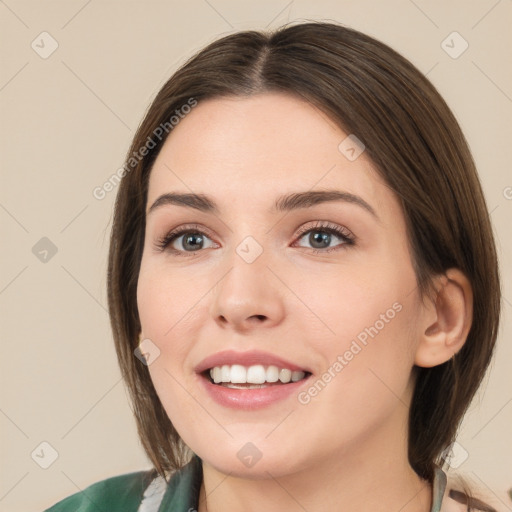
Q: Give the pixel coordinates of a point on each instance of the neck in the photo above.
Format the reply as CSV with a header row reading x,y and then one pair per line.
x,y
377,478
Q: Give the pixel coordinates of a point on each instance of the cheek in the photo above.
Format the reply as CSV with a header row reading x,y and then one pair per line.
x,y
177,395
350,303
363,328
171,309
167,314
366,380
165,301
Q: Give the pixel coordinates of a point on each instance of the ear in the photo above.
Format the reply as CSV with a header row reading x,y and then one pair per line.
x,y
446,324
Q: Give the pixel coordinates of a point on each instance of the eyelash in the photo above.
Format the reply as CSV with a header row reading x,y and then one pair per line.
x,y
322,227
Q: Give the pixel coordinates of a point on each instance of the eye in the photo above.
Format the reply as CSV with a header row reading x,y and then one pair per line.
x,y
192,240
189,239
321,236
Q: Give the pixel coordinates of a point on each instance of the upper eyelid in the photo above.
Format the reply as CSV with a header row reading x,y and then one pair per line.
x,y
319,225
324,224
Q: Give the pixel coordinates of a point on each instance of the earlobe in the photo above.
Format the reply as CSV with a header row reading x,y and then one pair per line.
x,y
446,323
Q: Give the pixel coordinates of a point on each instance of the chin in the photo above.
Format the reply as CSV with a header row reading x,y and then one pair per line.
x,y
253,460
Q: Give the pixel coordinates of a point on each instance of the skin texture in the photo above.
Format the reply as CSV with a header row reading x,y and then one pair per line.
x,y
348,444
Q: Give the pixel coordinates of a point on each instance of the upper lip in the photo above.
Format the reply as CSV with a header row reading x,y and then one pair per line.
x,y
248,358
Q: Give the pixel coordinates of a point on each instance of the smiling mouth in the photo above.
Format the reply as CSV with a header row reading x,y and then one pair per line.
x,y
253,377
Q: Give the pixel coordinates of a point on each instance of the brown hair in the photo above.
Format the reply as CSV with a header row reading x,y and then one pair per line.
x,y
414,141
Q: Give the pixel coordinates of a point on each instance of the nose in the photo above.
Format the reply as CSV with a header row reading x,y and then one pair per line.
x,y
248,297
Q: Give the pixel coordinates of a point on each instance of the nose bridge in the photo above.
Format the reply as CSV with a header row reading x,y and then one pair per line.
x,y
247,292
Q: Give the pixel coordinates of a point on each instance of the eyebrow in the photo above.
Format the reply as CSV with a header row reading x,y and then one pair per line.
x,y
284,203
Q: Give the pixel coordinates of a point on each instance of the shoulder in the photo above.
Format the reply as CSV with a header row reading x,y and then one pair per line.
x,y
455,493
121,493
458,500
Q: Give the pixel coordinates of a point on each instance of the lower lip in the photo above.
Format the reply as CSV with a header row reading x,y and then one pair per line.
x,y
250,399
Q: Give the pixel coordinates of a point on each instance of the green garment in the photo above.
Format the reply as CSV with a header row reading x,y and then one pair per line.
x,y
124,493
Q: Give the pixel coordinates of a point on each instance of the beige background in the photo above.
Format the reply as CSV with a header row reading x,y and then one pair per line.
x,y
67,121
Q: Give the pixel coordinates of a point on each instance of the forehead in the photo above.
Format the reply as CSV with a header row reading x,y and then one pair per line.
x,y
248,150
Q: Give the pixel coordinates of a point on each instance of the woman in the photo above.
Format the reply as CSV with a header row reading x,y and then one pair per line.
x,y
303,283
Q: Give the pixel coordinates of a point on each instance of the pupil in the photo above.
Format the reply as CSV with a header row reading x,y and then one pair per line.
x,y
192,236
323,238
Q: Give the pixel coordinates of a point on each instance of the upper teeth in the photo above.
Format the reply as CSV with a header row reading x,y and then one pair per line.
x,y
256,374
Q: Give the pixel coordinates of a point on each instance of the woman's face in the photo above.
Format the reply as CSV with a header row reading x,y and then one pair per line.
x,y
277,288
